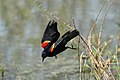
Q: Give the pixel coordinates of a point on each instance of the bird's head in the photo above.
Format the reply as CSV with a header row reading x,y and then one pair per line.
x,y
44,55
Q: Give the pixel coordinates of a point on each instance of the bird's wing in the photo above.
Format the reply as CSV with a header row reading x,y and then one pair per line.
x,y
66,38
51,34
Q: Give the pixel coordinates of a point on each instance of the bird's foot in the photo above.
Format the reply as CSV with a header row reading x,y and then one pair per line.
x,y
72,47
55,57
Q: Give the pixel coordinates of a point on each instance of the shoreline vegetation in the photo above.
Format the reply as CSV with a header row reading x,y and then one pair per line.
x,y
95,60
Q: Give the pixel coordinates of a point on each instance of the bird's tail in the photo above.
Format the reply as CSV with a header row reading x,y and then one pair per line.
x,y
69,35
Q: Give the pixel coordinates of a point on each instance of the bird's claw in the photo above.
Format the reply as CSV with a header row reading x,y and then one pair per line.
x,y
55,57
71,47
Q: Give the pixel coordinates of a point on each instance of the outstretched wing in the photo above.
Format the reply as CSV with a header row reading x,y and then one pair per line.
x,y
66,38
59,45
51,34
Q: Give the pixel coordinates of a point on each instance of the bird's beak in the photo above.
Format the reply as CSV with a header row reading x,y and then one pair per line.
x,y
43,59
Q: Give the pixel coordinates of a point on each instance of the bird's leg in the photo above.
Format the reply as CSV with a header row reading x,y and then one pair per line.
x,y
71,47
55,57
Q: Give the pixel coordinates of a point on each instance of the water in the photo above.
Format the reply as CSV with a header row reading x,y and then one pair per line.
x,y
22,24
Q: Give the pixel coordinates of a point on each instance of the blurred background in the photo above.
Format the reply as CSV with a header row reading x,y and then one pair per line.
x,y
22,23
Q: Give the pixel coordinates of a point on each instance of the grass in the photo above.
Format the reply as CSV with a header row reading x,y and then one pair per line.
x,y
94,62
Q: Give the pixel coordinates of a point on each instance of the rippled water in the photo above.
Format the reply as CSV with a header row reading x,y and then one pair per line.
x,y
22,24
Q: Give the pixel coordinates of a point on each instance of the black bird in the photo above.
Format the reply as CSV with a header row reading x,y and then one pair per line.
x,y
50,42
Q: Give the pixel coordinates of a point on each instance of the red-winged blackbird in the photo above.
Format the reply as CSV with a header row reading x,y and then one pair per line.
x,y
50,42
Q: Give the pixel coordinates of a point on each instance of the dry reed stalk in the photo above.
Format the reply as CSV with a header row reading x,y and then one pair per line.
x,y
94,24
16,69
96,63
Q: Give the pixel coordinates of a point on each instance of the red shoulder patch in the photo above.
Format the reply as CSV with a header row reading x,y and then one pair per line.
x,y
45,43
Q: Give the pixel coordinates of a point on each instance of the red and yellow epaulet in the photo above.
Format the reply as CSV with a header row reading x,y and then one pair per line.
x,y
45,43
52,47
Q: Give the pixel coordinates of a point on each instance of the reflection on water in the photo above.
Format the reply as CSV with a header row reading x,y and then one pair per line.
x,y
21,29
